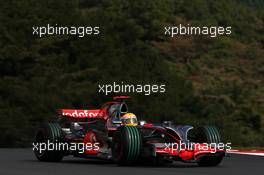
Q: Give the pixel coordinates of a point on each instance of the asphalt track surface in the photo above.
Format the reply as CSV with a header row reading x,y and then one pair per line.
x,y
22,161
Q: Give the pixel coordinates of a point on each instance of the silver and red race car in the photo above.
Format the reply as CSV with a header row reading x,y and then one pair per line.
x,y
105,134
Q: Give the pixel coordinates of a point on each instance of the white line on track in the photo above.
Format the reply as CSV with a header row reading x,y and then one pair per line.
x,y
253,152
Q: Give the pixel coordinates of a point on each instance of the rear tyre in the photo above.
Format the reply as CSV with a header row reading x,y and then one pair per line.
x,y
52,133
126,145
210,160
209,134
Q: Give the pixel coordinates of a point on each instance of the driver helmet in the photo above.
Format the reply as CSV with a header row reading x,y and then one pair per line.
x,y
129,119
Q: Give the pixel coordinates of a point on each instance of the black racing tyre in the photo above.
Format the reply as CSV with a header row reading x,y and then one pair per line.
x,y
126,145
208,134
52,133
211,160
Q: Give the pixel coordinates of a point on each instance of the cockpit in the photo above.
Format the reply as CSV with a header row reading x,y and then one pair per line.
x,y
115,111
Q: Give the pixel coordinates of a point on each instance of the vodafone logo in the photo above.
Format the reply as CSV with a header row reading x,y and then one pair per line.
x,y
77,113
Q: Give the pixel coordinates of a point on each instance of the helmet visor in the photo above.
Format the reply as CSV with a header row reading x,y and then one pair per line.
x,y
129,121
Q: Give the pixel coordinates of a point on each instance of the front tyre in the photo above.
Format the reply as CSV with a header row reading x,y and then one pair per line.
x,y
126,145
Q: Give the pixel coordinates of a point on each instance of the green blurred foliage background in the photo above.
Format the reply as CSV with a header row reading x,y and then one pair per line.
x,y
209,81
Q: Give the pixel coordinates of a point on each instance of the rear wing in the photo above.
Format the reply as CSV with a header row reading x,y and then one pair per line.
x,y
80,113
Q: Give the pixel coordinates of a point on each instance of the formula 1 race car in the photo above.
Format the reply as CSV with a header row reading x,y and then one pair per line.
x,y
113,133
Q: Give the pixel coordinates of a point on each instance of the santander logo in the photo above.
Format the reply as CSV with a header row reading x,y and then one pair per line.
x,y
80,113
